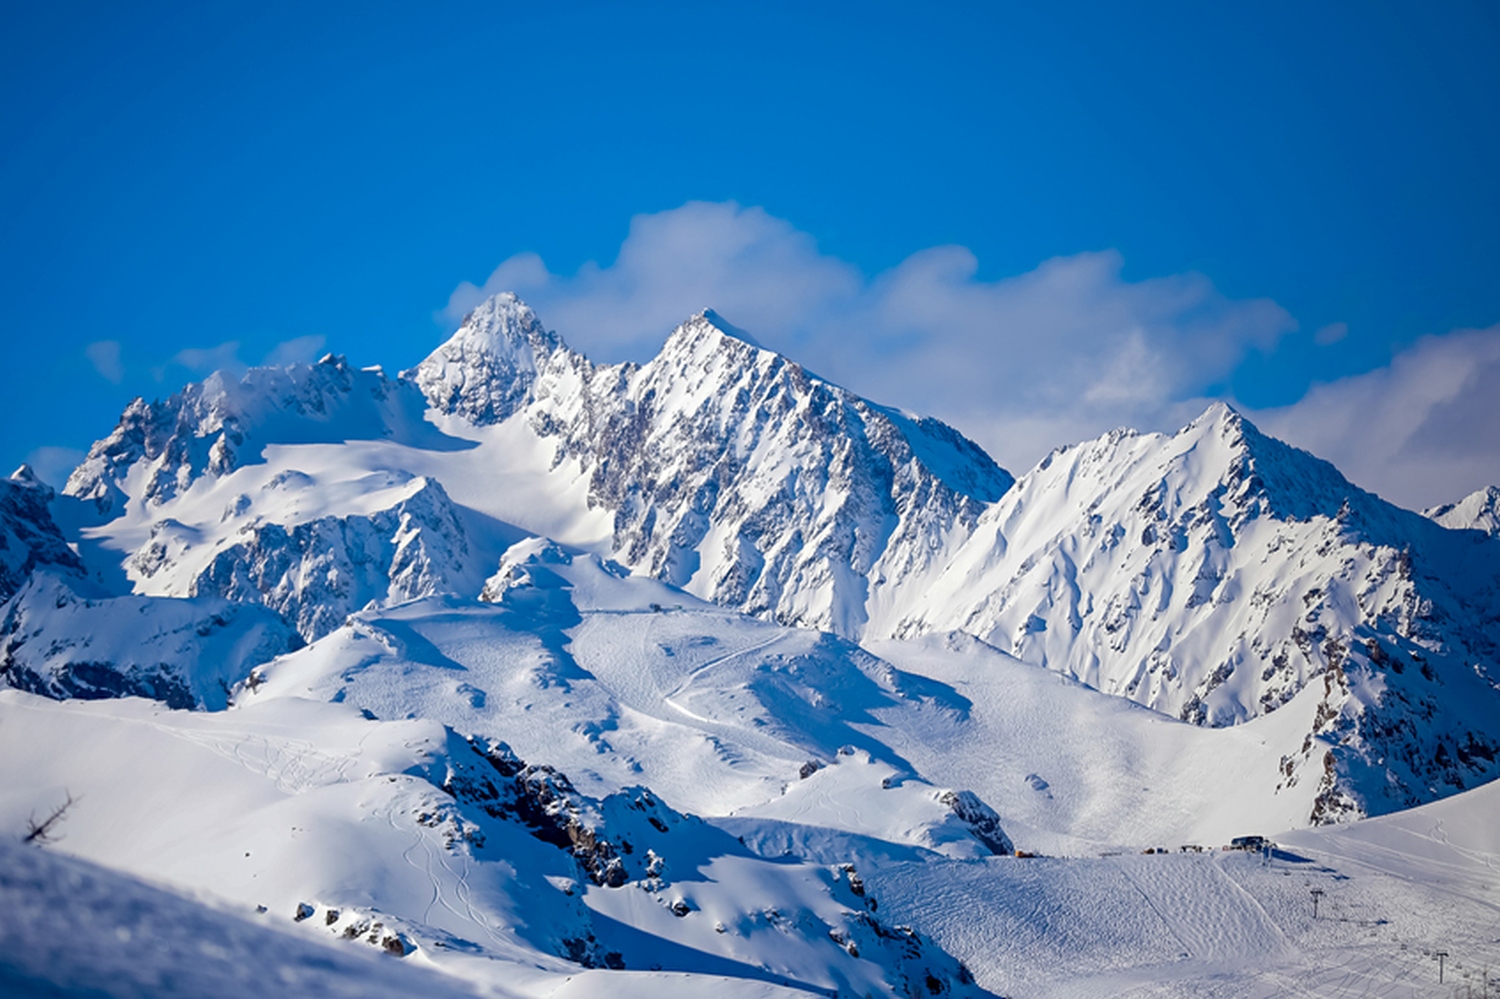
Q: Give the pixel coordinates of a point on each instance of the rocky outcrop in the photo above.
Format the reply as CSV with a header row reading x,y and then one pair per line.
x,y
29,538
318,572
184,653
612,838
982,820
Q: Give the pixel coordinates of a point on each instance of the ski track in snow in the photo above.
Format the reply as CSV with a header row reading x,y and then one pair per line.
x,y
696,674
1216,921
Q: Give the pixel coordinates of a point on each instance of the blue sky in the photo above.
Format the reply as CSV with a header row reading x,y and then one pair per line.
x,y
1036,225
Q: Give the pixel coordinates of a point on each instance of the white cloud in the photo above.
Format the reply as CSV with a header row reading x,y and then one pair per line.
x,y
758,271
104,355
1066,351
205,360
298,349
1423,430
1330,334
225,357
53,464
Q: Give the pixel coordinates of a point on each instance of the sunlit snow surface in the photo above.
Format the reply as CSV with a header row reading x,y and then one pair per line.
x,y
512,765
320,788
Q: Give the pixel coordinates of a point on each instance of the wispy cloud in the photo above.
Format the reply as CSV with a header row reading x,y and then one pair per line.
x,y
1330,334
1066,351
225,357
296,350
53,465
1422,430
757,270
205,360
104,355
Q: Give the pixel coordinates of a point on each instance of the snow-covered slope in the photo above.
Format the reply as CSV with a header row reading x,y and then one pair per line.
x,y
404,837
75,929
1478,511
1392,891
1215,574
594,769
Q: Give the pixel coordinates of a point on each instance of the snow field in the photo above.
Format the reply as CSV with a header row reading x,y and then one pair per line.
x,y
1215,924
74,929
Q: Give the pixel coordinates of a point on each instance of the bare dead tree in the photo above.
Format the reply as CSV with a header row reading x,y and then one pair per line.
x,y
44,832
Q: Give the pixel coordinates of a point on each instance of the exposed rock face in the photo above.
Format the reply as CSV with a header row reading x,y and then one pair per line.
x,y
1215,574
317,572
611,839
982,820
187,654
29,538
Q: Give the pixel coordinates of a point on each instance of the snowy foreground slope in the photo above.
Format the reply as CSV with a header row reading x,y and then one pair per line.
x,y
311,809
533,676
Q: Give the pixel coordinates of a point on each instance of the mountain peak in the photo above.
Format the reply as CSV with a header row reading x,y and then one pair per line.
x,y
504,323
724,326
484,372
1478,511
1220,416
706,330
25,476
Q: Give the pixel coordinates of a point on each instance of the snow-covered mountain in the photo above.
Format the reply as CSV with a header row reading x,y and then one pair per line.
x,y
1478,511
1216,573
721,467
1212,575
62,635
684,665
185,654
727,469
212,427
